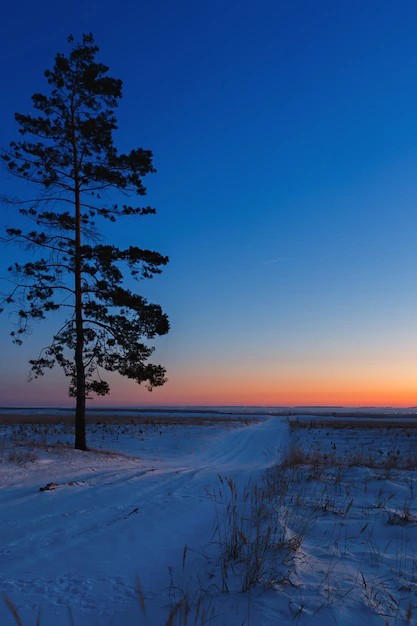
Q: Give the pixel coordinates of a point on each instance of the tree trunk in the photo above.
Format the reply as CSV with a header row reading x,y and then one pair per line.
x,y
80,438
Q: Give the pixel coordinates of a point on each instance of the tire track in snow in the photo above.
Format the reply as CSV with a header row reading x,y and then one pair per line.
x,y
93,521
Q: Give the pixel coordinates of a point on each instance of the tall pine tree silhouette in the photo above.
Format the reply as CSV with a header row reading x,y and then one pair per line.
x,y
67,152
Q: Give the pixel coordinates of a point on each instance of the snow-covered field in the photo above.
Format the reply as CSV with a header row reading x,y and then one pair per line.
x,y
219,522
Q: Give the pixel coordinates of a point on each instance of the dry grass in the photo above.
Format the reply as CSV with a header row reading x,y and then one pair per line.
x,y
325,507
174,419
364,423
258,536
296,456
21,457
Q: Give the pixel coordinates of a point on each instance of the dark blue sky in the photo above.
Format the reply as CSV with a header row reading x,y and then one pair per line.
x,y
284,135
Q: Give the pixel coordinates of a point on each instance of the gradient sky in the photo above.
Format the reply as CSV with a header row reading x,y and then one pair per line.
x,y
285,139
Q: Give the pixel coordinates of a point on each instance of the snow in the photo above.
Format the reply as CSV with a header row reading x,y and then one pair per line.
x,y
140,521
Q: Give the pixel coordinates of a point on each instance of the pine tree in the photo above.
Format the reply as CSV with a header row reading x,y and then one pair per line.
x,y
67,152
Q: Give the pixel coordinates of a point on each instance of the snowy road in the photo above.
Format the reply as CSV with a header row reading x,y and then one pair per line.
x,y
112,520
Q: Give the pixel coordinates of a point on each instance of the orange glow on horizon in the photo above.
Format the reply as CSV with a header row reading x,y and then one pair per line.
x,y
336,389
342,383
